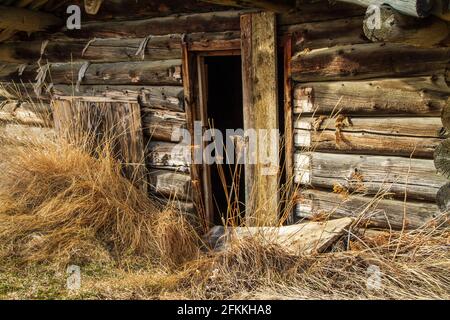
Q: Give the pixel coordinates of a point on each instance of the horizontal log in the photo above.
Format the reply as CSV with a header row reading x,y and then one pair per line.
x,y
366,143
166,155
38,114
173,185
425,96
181,24
399,126
324,34
18,133
161,125
277,6
165,47
371,60
414,8
398,28
165,72
417,178
316,11
373,212
162,97
20,19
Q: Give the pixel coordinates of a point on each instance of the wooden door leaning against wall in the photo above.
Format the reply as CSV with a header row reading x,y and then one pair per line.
x,y
99,123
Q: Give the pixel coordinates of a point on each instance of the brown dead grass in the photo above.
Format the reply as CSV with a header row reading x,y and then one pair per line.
x,y
61,206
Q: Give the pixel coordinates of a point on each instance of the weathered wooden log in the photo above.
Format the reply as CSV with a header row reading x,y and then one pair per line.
x,y
166,155
399,126
20,19
365,174
415,8
18,133
38,114
172,185
443,198
162,125
190,23
164,47
364,61
325,34
398,28
166,72
162,97
442,158
375,212
298,239
316,11
425,96
278,6
366,143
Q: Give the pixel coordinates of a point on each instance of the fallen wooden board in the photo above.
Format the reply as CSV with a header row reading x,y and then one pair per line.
x,y
305,238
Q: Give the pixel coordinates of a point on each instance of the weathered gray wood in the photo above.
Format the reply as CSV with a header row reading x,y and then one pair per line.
x,y
399,126
415,8
166,155
161,125
366,143
166,72
324,34
374,212
398,28
177,24
370,174
18,133
365,61
259,63
298,239
153,97
425,96
29,113
173,185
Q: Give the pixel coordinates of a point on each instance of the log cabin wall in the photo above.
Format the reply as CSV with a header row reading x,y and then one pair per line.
x,y
367,118
366,115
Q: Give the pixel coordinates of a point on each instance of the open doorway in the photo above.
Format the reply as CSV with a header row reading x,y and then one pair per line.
x,y
224,112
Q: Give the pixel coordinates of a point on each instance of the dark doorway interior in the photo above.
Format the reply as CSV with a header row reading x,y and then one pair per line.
x,y
224,105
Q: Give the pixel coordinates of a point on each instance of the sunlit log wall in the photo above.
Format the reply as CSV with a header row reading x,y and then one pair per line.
x,y
367,115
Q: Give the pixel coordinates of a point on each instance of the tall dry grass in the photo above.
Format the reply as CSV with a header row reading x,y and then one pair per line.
x,y
61,205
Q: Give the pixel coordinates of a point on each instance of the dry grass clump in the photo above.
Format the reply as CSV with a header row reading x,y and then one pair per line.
x,y
61,205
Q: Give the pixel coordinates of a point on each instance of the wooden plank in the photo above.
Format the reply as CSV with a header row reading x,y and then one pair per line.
x,y
149,97
415,8
278,6
172,185
21,19
162,47
162,125
326,34
370,175
371,60
167,155
366,143
18,133
177,24
430,127
424,96
299,239
372,212
29,113
113,124
166,72
259,60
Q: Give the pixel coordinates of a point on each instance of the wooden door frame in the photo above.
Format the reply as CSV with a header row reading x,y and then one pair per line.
x,y
194,83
